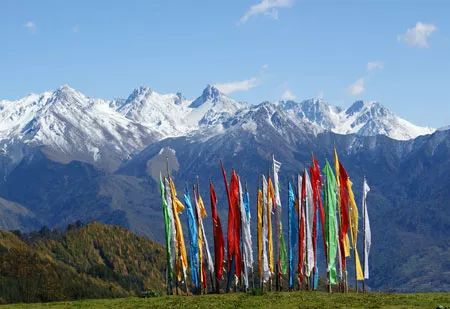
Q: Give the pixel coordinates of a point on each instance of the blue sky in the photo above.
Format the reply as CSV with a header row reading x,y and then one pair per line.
x,y
396,52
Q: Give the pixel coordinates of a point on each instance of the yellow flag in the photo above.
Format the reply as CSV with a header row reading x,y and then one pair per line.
x,y
201,207
336,167
270,197
181,258
353,214
201,213
259,227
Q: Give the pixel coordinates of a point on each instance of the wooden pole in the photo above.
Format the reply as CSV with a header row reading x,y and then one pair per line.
x,y
328,247
364,236
260,250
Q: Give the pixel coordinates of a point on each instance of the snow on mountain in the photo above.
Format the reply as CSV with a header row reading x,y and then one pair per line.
x,y
362,118
164,113
173,115
71,126
212,107
15,115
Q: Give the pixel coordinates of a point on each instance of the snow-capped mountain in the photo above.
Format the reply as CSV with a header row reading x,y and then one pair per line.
x,y
361,118
68,125
213,107
165,113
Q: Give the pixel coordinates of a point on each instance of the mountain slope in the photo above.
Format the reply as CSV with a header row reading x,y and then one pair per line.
x,y
361,118
408,208
93,261
70,126
15,216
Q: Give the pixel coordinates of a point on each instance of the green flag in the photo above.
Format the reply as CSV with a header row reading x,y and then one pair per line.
x,y
167,226
330,220
283,255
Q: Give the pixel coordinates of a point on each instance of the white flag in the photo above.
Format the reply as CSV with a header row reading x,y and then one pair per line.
x,y
309,217
301,245
367,232
209,260
276,169
265,231
247,253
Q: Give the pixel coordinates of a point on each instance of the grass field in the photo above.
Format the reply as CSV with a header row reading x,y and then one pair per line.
x,y
268,300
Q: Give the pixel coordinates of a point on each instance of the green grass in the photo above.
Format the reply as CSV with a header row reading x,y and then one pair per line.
x,y
267,300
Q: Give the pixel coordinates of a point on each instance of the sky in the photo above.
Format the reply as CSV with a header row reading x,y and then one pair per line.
x,y
396,52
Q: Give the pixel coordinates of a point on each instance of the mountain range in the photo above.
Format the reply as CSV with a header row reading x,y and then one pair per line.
x,y
66,157
69,125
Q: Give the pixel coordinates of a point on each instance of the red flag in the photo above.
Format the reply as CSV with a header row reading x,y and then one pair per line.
x,y
234,198
233,229
316,180
219,249
344,220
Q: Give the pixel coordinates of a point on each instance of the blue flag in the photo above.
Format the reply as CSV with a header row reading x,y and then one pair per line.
x,y
292,235
193,241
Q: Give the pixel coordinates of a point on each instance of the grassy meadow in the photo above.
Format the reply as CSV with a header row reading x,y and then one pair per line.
x,y
267,300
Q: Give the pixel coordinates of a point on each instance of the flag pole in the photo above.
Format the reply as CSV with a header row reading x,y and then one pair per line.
x,y
277,266
329,237
260,267
364,236
306,234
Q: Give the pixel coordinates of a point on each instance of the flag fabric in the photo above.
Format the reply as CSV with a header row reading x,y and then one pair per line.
x,y
309,217
173,234
344,222
330,221
259,230
367,232
248,227
270,201
203,241
301,228
219,250
316,267
177,207
282,255
193,241
234,222
292,234
247,254
343,242
265,233
353,216
167,228
234,196
334,209
199,221
319,216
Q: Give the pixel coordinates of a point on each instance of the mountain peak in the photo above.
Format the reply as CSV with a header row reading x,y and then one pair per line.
x,y
210,93
66,93
139,92
373,106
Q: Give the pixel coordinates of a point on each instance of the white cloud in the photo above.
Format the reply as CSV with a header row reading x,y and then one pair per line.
x,y
266,7
357,87
418,35
243,85
288,95
374,65
30,26
240,85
